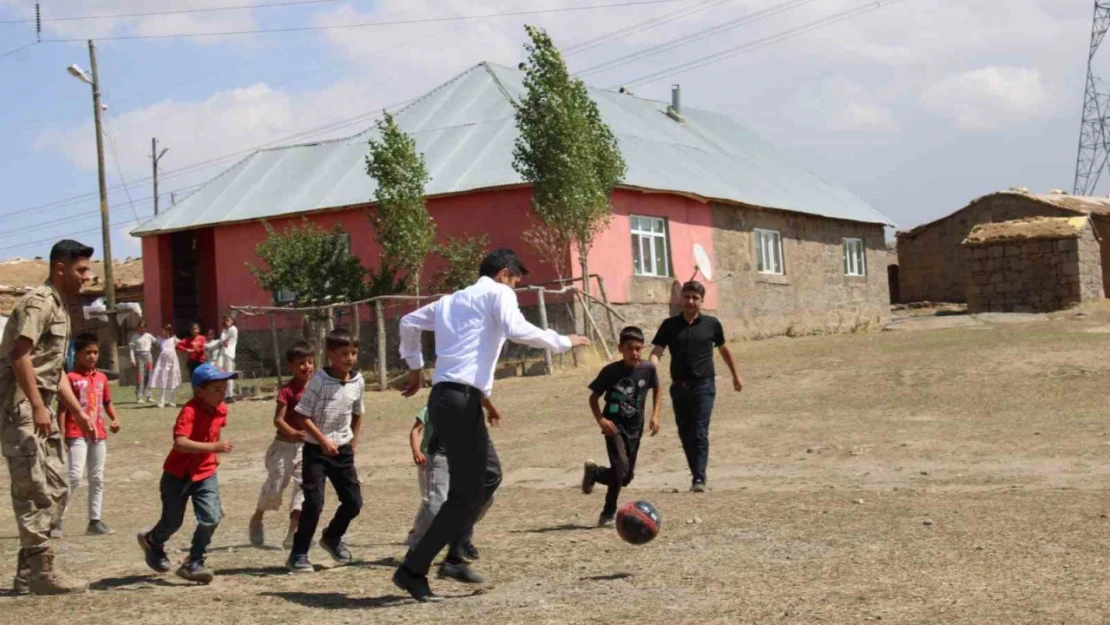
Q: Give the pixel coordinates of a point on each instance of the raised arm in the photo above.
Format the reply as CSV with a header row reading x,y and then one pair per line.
x,y
518,330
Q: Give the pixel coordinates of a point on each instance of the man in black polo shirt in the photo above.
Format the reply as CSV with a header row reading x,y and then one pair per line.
x,y
691,337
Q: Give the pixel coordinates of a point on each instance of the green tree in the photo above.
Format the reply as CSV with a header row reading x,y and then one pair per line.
x,y
463,254
402,225
565,150
314,265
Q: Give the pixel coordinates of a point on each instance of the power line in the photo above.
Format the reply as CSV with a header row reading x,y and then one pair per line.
x,y
119,170
19,49
428,20
695,36
639,27
5,250
239,7
759,43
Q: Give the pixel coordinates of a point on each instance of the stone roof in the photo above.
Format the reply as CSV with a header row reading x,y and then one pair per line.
x,y
1037,228
1078,204
17,276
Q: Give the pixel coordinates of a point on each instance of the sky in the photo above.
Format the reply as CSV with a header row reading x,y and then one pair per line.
x,y
917,107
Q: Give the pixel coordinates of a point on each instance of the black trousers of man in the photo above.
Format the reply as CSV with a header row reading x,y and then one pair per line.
x,y
455,411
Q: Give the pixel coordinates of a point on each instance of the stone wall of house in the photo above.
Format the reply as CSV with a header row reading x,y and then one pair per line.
x,y
814,295
932,265
1034,276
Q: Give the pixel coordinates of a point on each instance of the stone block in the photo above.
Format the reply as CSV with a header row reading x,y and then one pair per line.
x,y
1002,287
1065,245
1013,249
1069,269
995,251
996,278
979,252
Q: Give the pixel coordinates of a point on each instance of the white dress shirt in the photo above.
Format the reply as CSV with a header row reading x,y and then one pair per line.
x,y
470,326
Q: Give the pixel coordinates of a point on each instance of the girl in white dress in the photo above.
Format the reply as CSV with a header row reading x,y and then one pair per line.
x,y
167,371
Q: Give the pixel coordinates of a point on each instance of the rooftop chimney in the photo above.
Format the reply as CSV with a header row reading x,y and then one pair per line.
x,y
674,111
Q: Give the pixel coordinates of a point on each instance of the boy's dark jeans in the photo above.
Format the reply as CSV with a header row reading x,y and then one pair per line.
x,y
316,470
693,406
176,492
623,449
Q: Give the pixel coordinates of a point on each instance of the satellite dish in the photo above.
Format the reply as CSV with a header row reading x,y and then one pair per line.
x,y
701,262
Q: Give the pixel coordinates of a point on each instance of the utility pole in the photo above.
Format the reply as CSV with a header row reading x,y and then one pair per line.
x,y
156,156
105,227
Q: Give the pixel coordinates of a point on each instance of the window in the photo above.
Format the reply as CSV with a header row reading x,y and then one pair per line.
x,y
285,297
855,261
650,255
768,251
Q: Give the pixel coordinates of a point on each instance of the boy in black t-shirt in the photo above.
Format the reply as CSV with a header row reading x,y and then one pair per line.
x,y
625,385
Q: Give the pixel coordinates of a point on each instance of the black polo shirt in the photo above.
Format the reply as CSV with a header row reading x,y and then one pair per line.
x,y
691,345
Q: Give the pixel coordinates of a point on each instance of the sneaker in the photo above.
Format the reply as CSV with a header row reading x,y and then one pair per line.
x,y
257,535
195,571
140,400
97,528
56,531
698,487
298,563
460,572
337,549
470,552
161,404
173,404
415,585
606,519
588,481
155,554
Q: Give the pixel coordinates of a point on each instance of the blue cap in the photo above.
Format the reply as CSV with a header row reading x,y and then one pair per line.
x,y
209,372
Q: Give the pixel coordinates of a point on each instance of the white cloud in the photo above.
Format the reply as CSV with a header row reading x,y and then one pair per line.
x,y
840,105
991,98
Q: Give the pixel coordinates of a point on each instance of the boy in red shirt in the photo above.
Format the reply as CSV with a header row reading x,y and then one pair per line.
x,y
86,451
193,348
283,457
190,473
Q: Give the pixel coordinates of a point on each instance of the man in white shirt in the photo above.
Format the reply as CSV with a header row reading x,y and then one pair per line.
x,y
224,352
470,327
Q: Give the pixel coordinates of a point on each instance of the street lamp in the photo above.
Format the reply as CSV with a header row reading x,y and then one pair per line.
x,y
106,231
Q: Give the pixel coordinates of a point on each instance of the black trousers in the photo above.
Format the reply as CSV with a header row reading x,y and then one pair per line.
x,y
623,449
455,412
316,470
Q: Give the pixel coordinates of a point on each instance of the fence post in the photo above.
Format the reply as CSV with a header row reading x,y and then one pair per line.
x,y
378,312
608,313
590,319
277,349
355,323
543,325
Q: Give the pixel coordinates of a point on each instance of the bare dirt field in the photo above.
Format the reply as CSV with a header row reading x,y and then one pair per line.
x,y
947,475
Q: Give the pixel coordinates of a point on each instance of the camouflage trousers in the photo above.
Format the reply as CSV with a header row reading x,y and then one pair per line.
x,y
37,468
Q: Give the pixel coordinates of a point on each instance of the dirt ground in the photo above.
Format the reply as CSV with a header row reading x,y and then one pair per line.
x,y
948,475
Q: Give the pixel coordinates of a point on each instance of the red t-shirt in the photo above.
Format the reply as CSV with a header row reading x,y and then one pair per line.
x,y
92,391
194,347
288,396
202,424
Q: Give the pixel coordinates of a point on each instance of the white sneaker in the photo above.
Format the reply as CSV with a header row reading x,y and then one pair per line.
x,y
173,405
161,405
140,401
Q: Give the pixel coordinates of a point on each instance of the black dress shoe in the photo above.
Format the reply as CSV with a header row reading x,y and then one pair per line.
x,y
459,571
415,585
470,552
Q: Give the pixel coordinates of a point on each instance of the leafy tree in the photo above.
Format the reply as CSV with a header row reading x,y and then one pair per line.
x,y
463,254
315,265
402,225
565,150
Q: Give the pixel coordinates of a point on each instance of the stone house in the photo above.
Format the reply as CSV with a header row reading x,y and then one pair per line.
x,y
932,263
1040,264
792,253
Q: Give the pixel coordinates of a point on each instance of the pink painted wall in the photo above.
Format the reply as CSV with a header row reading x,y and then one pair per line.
x,y
157,281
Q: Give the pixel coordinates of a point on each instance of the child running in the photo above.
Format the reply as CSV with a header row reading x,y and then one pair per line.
x,y
190,473
142,362
167,373
283,457
85,451
624,384
331,407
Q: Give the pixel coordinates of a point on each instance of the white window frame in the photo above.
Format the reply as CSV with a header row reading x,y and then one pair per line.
x,y
855,257
653,229
768,252
285,297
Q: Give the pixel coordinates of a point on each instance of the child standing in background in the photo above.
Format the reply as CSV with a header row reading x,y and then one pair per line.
x,y
223,351
142,362
193,348
167,373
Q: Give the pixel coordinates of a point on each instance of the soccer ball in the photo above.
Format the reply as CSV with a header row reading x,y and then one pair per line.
x,y
638,522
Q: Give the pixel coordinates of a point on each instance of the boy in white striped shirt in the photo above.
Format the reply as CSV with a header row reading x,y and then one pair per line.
x,y
332,410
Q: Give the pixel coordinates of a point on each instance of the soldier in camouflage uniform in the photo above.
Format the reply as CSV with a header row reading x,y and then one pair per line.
x,y
32,354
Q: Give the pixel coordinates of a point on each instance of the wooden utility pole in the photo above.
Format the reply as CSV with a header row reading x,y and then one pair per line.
x,y
156,156
105,227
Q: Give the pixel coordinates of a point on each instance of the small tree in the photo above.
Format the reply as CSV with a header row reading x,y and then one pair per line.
x,y
565,150
314,265
402,225
552,247
463,254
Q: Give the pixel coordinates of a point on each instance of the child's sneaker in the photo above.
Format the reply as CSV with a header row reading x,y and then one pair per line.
x,y
588,480
161,404
155,554
337,549
97,528
195,571
258,535
298,563
140,400
606,519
